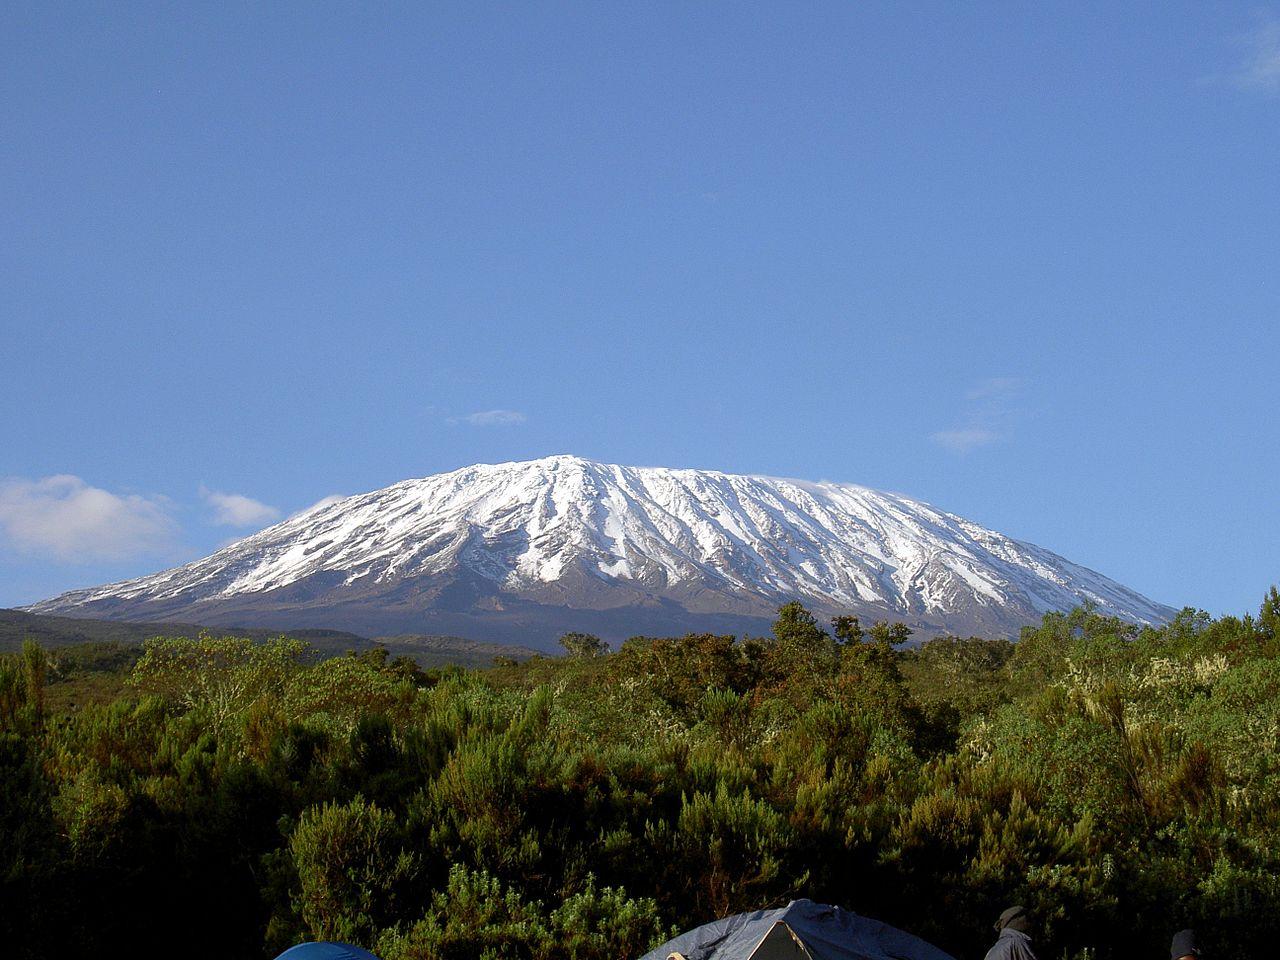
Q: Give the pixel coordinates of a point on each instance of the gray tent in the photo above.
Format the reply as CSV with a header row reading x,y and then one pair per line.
x,y
802,930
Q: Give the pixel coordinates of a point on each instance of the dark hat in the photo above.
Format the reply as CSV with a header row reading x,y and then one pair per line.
x,y
1184,945
1015,918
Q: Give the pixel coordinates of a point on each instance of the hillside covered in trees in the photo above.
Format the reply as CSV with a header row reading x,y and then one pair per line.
x,y
235,796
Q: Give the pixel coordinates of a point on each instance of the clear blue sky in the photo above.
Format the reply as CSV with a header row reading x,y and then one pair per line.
x,y
1021,261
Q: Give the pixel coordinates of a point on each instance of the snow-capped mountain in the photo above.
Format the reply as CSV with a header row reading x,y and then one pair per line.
x,y
525,551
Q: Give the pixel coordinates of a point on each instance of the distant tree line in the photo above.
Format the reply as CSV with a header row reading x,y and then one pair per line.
x,y
234,797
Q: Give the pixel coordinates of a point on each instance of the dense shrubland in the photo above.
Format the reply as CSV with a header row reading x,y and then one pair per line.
x,y
236,797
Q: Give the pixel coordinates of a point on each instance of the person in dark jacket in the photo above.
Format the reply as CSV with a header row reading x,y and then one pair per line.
x,y
1184,946
1014,942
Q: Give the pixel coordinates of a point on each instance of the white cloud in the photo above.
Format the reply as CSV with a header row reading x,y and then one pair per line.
x,y
492,418
237,510
65,518
964,439
1260,69
986,415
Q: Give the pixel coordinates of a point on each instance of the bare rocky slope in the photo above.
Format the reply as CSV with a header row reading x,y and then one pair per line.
x,y
521,552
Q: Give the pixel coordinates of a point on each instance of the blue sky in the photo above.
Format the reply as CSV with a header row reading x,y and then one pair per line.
x,y
1021,261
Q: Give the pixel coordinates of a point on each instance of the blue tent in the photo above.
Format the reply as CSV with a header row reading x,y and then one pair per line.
x,y
326,951
802,930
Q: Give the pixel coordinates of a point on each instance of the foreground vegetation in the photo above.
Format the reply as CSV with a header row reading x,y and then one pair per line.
x,y
235,797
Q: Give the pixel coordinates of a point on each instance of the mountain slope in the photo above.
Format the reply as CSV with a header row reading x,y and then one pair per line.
x,y
52,633
526,550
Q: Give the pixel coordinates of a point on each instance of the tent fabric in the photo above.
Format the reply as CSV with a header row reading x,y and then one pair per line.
x,y
828,933
780,943
326,951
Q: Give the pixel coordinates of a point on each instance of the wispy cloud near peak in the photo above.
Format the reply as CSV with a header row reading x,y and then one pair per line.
x,y
985,416
237,510
491,418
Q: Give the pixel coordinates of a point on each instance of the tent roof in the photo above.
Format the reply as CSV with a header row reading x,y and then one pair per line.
x,y
828,933
325,950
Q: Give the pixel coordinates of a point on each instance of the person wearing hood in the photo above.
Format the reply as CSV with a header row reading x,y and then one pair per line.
x,y
1014,942
1184,946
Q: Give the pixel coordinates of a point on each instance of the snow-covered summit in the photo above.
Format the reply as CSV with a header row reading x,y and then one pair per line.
x,y
560,542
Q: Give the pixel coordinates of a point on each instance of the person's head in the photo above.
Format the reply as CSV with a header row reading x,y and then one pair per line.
x,y
1015,918
1184,946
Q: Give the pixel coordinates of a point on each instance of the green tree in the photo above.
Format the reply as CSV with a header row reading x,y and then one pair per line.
x,y
796,627
583,645
352,870
475,915
35,669
802,654
847,629
732,848
596,922
1269,615
222,675
13,691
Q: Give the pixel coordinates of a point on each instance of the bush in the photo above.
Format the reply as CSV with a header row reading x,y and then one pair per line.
x,y
351,870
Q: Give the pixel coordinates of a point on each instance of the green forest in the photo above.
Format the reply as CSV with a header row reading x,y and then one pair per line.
x,y
232,796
